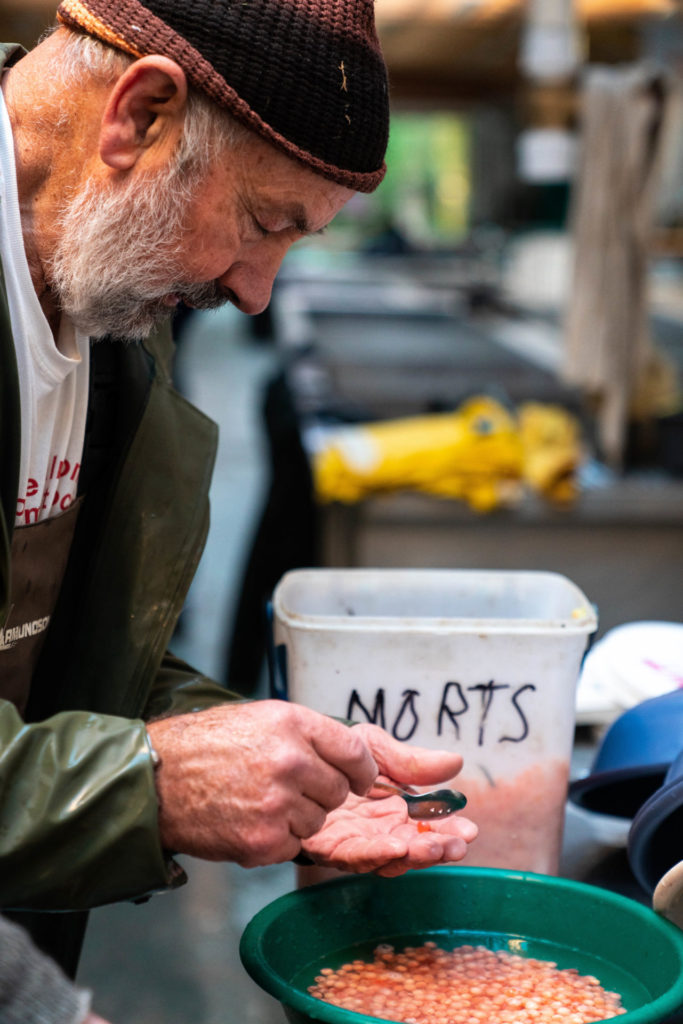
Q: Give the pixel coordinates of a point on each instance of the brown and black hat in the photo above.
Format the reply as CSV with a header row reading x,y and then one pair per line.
x,y
307,75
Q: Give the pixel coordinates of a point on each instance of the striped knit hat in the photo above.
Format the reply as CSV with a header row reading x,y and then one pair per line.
x,y
307,75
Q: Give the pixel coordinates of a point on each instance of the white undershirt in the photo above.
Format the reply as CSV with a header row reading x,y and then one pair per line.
x,y
53,376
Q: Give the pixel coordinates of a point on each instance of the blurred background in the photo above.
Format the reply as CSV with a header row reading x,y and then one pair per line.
x,y
520,271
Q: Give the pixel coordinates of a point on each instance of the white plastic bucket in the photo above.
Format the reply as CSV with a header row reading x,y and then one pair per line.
x,y
483,662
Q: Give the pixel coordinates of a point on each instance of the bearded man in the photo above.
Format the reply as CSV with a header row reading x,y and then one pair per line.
x,y
151,154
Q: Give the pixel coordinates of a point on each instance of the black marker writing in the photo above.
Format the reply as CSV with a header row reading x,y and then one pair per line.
x,y
445,709
407,706
454,705
525,724
487,691
377,716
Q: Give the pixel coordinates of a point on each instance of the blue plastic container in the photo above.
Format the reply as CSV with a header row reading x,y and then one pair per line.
x,y
655,841
633,758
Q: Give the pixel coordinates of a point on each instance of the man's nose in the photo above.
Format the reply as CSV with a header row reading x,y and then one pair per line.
x,y
250,278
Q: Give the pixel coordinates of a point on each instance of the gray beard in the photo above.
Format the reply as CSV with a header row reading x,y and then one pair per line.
x,y
115,261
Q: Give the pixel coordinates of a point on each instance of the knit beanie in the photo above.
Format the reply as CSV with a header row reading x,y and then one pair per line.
x,y
307,75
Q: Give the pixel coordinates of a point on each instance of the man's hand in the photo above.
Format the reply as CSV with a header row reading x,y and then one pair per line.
x,y
247,782
366,835
376,834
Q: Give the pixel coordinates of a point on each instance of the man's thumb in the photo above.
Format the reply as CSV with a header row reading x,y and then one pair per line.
x,y
409,764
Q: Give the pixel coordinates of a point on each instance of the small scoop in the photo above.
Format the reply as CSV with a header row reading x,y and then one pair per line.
x,y
438,803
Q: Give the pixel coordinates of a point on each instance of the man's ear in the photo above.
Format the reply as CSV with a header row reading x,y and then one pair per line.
x,y
145,108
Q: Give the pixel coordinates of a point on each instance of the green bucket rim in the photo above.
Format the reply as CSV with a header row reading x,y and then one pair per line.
x,y
275,985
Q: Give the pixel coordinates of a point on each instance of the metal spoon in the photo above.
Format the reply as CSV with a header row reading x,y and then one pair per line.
x,y
438,803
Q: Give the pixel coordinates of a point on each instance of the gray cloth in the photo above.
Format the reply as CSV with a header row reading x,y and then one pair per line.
x,y
33,989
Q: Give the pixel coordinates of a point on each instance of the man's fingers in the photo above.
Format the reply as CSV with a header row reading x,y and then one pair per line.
x,y
363,854
405,763
306,818
324,784
347,751
432,848
456,825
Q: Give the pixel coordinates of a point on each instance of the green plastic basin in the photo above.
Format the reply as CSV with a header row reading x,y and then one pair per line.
x,y
624,944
